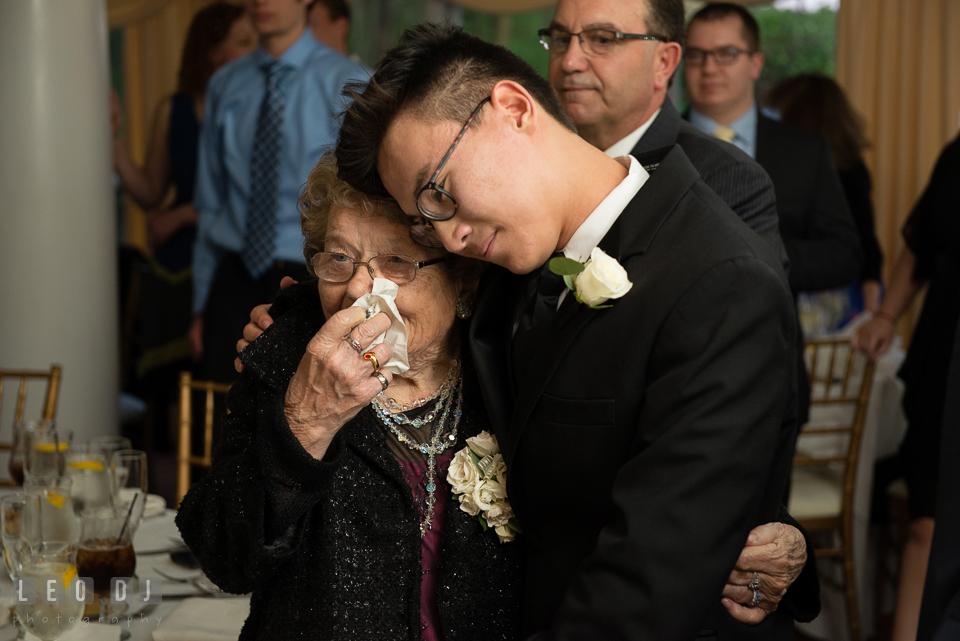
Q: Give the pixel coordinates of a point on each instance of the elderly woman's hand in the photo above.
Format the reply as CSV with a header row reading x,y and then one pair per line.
x,y
777,553
334,381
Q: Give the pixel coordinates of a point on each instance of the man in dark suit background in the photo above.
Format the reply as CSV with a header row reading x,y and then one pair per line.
x,y
722,63
646,438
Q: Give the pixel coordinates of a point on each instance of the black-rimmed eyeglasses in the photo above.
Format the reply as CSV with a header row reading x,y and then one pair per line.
x,y
721,55
597,42
334,267
433,201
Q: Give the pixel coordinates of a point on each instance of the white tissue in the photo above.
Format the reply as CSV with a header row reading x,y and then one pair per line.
x,y
383,299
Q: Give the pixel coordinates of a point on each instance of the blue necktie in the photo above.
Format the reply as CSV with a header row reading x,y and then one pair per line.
x,y
261,233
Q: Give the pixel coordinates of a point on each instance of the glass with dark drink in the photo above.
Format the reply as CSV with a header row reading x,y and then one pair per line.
x,y
106,551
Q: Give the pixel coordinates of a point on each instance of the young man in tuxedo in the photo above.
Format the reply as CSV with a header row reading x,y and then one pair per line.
x,y
645,439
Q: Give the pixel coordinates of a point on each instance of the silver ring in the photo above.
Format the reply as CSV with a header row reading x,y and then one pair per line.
x,y
755,584
756,598
354,344
384,383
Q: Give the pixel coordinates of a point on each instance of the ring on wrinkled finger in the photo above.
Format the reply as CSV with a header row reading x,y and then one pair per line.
x,y
354,344
755,584
756,598
384,383
370,356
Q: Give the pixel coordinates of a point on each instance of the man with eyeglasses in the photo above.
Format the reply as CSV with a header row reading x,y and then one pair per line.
x,y
643,440
611,63
722,64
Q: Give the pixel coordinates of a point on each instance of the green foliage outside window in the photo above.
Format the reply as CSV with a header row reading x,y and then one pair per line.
x,y
795,42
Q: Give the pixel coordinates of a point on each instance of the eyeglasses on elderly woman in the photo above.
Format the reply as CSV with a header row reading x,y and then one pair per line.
x,y
334,267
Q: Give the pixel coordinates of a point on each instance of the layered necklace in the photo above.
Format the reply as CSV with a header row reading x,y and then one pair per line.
x,y
443,415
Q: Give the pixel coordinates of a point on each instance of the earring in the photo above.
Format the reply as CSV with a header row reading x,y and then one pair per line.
x,y
464,309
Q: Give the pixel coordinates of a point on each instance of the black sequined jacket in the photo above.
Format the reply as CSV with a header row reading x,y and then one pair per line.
x,y
331,549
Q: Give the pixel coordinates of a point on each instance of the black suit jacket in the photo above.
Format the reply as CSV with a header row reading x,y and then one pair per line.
x,y
649,437
816,225
736,177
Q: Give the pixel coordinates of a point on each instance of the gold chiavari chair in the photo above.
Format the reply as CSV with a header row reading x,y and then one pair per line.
x,y
825,466
185,458
20,380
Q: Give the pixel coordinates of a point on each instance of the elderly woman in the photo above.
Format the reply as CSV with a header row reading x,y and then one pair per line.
x,y
320,500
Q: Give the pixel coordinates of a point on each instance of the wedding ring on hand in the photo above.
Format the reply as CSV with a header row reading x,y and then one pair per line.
x,y
370,356
755,584
756,598
384,383
354,344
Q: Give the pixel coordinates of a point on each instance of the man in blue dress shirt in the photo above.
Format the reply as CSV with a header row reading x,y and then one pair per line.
x,y
269,117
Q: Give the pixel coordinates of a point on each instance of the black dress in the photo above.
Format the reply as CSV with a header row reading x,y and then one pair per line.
x,y
933,234
856,187
331,549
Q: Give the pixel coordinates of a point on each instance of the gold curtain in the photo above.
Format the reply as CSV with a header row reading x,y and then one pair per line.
x,y
153,35
899,62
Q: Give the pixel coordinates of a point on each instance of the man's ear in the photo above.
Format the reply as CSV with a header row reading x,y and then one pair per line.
x,y
511,99
665,62
343,27
757,66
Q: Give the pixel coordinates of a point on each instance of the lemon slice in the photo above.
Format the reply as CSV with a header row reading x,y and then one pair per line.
x,y
96,466
50,447
68,576
55,500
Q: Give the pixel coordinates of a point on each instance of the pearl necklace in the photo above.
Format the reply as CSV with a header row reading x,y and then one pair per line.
x,y
435,446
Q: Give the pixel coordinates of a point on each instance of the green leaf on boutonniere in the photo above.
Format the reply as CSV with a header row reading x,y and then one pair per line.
x,y
483,522
513,525
568,279
565,266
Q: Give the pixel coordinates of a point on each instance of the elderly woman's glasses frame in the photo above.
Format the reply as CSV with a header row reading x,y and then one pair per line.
x,y
596,42
399,269
724,56
444,206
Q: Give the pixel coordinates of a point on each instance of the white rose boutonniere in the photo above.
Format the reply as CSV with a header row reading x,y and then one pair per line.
x,y
594,282
478,477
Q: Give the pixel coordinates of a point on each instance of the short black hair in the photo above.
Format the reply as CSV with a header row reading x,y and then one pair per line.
x,y
665,18
337,8
441,73
720,10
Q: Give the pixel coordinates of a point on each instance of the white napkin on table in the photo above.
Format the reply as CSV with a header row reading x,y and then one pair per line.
x,y
89,632
383,299
200,619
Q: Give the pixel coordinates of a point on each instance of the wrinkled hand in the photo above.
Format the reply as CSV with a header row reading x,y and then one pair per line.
x,y
778,553
874,337
333,381
260,319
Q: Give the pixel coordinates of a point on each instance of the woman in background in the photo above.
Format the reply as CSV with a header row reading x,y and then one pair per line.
x,y
218,34
817,103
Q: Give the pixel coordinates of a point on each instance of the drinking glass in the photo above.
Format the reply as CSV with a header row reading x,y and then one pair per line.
x,y
19,445
106,549
129,469
53,516
110,444
44,451
11,524
50,560
92,485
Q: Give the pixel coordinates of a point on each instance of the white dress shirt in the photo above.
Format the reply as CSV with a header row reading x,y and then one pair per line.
x,y
624,146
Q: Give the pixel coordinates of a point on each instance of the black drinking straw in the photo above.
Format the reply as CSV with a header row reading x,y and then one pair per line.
x,y
127,520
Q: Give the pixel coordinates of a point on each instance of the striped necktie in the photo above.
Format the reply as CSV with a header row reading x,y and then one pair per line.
x,y
261,233
724,133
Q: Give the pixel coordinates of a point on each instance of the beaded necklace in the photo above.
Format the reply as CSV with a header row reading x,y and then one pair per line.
x,y
392,405
438,443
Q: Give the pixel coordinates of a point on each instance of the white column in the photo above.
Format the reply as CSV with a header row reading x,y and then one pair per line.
x,y
58,246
